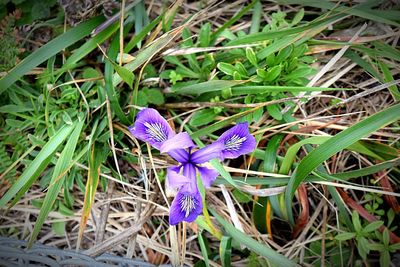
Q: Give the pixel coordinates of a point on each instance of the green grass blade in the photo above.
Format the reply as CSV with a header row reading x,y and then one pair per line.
x,y
317,140
230,22
203,249
209,86
108,80
88,47
37,166
274,257
225,251
147,53
360,10
262,89
335,144
48,50
255,20
140,36
57,179
264,36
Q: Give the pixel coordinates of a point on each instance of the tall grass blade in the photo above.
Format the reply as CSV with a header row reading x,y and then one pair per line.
x,y
37,166
48,50
274,257
335,144
57,180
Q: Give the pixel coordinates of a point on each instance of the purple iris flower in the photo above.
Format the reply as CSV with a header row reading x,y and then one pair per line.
x,y
150,127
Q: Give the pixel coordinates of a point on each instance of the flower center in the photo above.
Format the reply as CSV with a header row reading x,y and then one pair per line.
x,y
156,131
188,203
234,142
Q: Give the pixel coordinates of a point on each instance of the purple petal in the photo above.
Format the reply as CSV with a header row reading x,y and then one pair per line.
x,y
186,206
150,127
189,170
207,175
180,155
174,178
237,141
179,141
207,153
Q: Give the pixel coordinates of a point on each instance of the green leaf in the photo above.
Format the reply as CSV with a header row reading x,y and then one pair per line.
x,y
262,250
204,87
262,89
126,75
372,226
345,236
275,112
226,68
37,166
355,218
298,17
363,247
62,166
204,35
273,73
225,251
335,144
384,260
59,228
203,249
251,56
154,96
202,117
48,50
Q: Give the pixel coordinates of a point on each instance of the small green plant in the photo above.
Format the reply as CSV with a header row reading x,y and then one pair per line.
x,y
374,204
384,247
362,235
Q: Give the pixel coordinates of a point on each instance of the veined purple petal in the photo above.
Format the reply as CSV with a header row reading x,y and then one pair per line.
x,y
186,206
207,175
207,153
237,141
150,127
179,141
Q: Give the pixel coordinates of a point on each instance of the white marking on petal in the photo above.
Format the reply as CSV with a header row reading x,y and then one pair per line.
x,y
156,131
234,142
187,203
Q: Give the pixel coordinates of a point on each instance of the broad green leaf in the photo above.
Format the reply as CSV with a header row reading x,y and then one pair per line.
x,y
48,50
57,179
335,144
59,228
37,166
154,96
274,257
202,117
